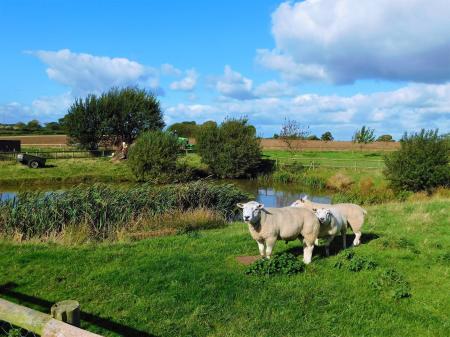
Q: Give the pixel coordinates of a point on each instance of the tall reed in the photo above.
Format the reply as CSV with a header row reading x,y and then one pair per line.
x,y
104,209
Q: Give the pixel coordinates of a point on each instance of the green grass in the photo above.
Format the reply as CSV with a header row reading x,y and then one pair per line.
x,y
192,285
65,171
72,171
350,155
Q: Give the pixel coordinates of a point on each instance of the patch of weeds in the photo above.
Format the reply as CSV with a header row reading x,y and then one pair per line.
x,y
283,264
350,261
400,243
392,282
444,258
189,232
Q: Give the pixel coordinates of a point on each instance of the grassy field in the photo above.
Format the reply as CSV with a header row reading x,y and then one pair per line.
x,y
192,285
64,171
102,170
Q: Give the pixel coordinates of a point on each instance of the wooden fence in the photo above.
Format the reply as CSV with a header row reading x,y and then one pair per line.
x,y
37,322
60,154
315,163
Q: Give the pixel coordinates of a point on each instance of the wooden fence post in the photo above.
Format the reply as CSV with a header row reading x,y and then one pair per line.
x,y
67,311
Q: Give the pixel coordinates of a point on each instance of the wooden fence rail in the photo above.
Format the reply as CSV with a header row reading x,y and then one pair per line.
x,y
63,154
331,163
38,322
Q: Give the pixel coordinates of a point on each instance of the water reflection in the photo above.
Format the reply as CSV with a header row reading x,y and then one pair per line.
x,y
271,195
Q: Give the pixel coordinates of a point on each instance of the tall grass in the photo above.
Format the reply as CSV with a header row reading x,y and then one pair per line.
x,y
104,210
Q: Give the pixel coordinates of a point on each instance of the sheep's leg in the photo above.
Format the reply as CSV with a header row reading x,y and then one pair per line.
x,y
327,245
307,252
344,239
261,248
357,240
270,243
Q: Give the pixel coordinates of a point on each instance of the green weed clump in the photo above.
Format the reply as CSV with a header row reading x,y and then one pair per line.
x,y
101,211
350,261
283,264
392,282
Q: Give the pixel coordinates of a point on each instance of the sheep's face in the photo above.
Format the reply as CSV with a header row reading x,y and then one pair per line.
x,y
323,214
251,211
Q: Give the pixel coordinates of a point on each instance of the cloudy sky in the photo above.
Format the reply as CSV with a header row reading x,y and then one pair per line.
x,y
329,64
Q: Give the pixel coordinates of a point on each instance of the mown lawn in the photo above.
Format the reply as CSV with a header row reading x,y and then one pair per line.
x,y
192,285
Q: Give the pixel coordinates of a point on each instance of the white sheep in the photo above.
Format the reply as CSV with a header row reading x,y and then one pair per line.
x,y
355,214
267,225
332,222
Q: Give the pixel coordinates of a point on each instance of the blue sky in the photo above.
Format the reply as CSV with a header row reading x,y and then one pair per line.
x,y
330,64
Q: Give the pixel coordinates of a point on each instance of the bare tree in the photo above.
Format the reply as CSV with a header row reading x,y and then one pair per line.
x,y
291,133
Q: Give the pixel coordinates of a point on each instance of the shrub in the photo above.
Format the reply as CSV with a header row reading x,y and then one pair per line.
x,y
154,156
283,264
339,182
422,163
364,135
231,150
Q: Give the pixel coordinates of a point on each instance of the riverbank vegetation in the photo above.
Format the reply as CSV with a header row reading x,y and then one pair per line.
x,y
192,284
102,212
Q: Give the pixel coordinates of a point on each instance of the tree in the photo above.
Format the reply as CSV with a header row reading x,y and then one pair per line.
x,y
33,125
129,112
291,132
422,163
118,115
312,137
84,123
385,138
53,127
231,150
184,129
364,135
154,155
327,137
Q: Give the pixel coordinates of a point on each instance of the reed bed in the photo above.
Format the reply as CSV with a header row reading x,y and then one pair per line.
x,y
102,211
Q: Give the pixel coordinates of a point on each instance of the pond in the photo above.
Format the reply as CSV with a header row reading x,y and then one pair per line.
x,y
271,195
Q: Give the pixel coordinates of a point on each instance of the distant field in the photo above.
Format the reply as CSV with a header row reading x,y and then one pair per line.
x,y
44,140
266,143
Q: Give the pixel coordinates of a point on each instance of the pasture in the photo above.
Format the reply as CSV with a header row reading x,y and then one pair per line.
x,y
192,285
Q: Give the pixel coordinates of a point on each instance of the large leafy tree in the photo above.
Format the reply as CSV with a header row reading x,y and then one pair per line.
x,y
115,116
84,122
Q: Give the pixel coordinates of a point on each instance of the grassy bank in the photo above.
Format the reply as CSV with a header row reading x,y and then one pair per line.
x,y
192,285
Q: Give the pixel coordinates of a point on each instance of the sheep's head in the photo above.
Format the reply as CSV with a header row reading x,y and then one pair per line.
x,y
323,214
251,211
302,202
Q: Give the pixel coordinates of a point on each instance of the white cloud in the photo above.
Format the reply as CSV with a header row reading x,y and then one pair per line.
x,y
410,108
169,70
44,109
274,89
86,73
347,40
187,83
233,85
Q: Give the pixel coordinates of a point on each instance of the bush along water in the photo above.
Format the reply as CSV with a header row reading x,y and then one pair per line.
x,y
104,210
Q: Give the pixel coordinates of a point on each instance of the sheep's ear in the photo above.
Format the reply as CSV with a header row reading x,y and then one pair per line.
x,y
240,205
260,206
314,209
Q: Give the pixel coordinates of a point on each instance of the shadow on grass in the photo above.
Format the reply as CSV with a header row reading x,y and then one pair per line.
x,y
335,246
106,324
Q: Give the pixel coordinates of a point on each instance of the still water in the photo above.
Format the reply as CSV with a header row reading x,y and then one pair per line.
x,y
271,195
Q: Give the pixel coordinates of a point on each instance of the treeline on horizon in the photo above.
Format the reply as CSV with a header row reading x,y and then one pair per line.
x,y
186,129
